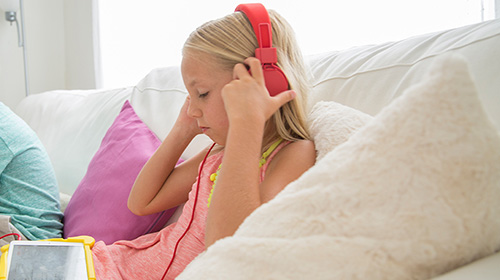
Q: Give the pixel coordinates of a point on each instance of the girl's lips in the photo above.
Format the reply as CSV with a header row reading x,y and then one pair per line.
x,y
203,129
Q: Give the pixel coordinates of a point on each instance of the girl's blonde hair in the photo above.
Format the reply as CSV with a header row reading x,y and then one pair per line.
x,y
231,40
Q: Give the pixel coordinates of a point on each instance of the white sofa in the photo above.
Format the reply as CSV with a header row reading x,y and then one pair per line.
x,y
71,124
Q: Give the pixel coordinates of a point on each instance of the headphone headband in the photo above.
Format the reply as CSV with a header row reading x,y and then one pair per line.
x,y
259,18
274,77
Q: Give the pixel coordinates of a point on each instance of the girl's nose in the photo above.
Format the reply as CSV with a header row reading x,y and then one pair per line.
x,y
193,110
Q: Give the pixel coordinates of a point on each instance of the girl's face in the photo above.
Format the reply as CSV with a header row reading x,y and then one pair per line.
x,y
204,80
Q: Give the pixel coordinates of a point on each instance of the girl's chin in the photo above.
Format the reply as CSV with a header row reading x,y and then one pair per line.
x,y
217,140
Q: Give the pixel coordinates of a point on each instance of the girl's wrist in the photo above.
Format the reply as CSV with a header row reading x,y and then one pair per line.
x,y
256,122
248,128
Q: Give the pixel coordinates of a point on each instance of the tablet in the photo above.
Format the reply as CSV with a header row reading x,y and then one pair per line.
x,y
48,259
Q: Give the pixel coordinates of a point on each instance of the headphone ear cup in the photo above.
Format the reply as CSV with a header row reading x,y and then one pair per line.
x,y
275,79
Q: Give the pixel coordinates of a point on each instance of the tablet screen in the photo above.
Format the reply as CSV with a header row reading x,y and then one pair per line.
x,y
46,260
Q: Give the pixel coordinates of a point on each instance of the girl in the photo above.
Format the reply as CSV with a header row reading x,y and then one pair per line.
x,y
261,145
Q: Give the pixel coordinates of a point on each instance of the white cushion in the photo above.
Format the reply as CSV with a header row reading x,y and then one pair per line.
x,y
332,123
370,77
159,96
157,100
411,195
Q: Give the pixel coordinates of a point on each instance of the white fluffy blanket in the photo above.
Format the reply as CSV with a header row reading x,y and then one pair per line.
x,y
412,194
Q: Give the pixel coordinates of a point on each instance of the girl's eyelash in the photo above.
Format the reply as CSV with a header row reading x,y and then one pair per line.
x,y
203,94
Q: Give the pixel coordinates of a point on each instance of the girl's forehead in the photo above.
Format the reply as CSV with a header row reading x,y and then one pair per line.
x,y
194,66
198,56
200,67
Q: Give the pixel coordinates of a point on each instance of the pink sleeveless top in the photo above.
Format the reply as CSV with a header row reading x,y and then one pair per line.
x,y
148,256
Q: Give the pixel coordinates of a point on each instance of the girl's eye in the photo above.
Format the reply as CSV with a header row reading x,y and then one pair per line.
x,y
203,95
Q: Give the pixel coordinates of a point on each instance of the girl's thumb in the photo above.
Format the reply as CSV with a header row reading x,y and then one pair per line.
x,y
286,97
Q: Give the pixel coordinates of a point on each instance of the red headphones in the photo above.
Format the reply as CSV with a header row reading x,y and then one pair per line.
x,y
274,77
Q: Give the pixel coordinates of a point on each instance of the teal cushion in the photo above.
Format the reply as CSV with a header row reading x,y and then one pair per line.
x,y
28,188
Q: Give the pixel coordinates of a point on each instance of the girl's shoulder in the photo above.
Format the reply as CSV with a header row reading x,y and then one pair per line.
x,y
303,145
300,149
288,164
300,153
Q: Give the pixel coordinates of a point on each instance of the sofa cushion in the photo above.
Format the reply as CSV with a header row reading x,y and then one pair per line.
x,y
71,125
99,205
411,195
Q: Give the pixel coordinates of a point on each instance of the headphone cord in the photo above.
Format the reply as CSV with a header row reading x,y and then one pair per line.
x,y
11,234
192,214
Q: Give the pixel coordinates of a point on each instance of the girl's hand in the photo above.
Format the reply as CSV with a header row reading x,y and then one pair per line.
x,y
246,97
187,123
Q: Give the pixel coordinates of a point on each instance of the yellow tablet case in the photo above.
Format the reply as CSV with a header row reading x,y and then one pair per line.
x,y
87,241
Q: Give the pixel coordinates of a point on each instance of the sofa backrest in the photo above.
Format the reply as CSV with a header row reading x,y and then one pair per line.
x,y
71,124
369,77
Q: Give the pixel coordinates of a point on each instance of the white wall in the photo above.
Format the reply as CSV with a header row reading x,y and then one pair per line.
x,y
497,8
45,44
11,64
139,37
59,49
80,61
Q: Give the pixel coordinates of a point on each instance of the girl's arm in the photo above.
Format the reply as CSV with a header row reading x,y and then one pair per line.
x,y
238,191
160,185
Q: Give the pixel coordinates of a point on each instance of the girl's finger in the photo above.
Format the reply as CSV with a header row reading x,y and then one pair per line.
x,y
239,71
255,69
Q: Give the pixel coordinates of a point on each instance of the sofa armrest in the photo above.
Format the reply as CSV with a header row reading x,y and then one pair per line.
x,y
485,269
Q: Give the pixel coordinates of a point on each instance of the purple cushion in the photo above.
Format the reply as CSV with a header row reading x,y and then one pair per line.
x,y
98,207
